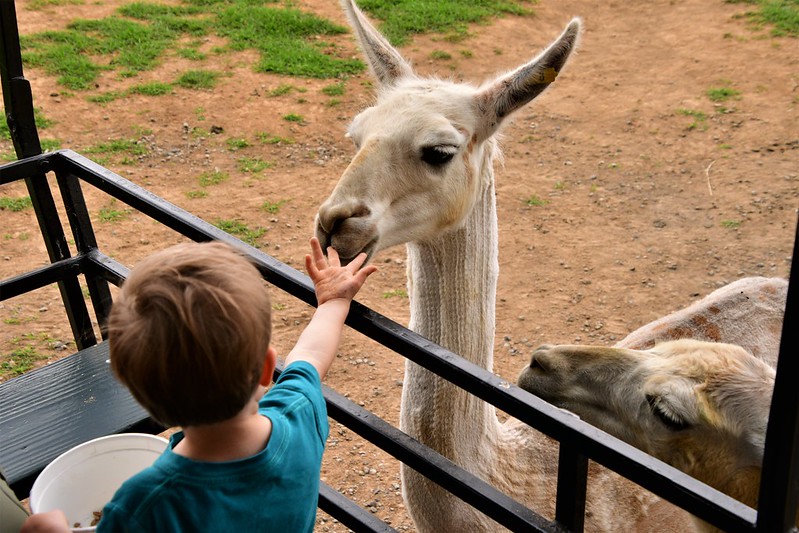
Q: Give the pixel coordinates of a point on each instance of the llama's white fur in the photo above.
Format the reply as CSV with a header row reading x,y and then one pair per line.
x,y
423,175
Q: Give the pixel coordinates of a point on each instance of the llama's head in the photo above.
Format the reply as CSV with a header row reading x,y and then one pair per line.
x,y
424,149
700,406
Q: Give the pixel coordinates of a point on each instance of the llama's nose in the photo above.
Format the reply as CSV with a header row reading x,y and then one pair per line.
x,y
344,227
330,218
535,359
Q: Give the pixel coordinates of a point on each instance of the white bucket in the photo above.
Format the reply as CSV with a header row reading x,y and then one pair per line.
x,y
82,480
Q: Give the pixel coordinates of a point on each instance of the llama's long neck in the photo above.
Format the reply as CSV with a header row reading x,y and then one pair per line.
x,y
452,283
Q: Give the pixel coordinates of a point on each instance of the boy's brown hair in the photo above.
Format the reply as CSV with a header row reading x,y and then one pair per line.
x,y
189,331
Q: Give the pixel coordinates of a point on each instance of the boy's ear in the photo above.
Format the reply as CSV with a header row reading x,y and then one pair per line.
x,y
270,359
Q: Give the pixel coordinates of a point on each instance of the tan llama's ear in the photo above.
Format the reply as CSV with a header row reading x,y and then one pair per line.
x,y
512,91
385,62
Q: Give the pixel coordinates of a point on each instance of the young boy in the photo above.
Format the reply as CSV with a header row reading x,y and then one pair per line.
x,y
189,335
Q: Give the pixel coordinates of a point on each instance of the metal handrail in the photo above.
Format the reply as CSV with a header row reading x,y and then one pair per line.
x,y
582,439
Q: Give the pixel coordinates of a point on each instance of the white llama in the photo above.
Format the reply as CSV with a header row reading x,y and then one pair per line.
x,y
423,175
700,406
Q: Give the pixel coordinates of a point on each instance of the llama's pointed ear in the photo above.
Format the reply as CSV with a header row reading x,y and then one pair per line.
x,y
511,91
385,62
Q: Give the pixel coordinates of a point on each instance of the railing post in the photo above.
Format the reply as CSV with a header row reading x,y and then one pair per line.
x,y
19,110
779,484
572,485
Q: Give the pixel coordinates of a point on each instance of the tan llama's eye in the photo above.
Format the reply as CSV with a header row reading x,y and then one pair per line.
x,y
663,411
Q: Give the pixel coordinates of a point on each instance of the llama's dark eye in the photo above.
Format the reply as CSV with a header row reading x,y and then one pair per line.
x,y
438,155
666,414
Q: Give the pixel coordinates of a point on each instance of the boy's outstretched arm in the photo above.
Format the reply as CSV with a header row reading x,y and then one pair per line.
x,y
335,286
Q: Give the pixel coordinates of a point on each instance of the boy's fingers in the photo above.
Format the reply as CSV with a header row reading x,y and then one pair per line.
x,y
359,260
310,267
318,255
367,271
361,275
332,257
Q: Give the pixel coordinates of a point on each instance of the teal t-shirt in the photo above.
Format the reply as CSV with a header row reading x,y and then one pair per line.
x,y
274,490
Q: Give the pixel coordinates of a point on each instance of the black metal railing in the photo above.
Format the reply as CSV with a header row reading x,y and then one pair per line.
x,y
580,442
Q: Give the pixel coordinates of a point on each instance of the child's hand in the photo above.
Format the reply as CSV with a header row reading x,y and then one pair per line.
x,y
331,280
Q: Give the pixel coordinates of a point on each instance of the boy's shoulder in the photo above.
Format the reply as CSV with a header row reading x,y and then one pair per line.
x,y
301,367
297,398
298,374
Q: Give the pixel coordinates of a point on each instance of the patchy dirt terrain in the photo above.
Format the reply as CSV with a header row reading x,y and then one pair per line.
x,y
626,192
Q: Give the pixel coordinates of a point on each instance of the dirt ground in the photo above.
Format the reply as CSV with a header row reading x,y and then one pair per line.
x,y
645,193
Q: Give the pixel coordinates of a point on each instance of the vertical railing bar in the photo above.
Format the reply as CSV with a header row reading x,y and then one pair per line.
x,y
779,484
85,241
572,486
17,95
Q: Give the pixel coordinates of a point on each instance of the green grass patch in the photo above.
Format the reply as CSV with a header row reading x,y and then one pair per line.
x,y
234,144
268,138
77,54
191,54
698,115
253,165
721,94
781,15
699,118
151,89
241,230
104,98
404,18
110,213
64,54
15,204
281,90
284,37
273,207
293,117
337,89
137,37
14,319
48,145
118,146
20,360
198,79
212,177
535,201
730,224
440,55
146,89
396,293
196,194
